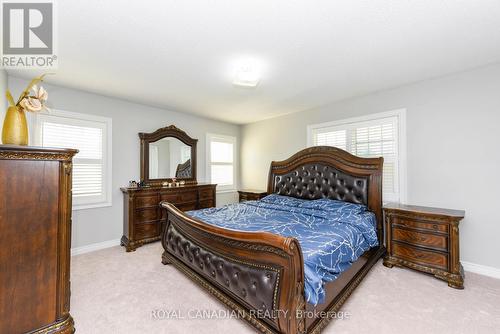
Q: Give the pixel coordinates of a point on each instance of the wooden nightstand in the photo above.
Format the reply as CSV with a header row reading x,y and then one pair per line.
x,y
424,239
251,195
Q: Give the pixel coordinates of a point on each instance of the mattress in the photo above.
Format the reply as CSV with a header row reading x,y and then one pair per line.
x,y
332,234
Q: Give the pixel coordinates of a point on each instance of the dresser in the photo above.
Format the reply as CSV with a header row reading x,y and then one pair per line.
x,y
424,239
35,240
142,217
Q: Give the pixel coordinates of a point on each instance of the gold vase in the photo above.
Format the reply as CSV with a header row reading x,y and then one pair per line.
x,y
15,127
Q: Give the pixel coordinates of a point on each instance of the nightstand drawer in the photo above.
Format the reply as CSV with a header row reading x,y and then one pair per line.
x,y
419,256
251,195
420,239
421,225
245,197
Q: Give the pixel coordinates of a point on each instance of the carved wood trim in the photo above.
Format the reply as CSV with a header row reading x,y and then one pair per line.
x,y
170,131
35,153
457,280
239,244
421,218
131,246
64,236
65,326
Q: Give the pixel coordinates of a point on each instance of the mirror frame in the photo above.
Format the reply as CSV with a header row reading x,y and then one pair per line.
x,y
168,131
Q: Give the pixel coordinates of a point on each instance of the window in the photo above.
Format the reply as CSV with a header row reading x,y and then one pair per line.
x,y
91,135
371,136
221,169
185,153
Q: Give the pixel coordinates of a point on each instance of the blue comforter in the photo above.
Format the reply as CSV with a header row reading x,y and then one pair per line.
x,y
332,234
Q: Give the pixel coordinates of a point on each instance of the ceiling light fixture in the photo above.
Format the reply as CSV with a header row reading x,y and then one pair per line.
x,y
247,74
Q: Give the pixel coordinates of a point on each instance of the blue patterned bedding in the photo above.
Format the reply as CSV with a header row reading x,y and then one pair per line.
x,y
332,234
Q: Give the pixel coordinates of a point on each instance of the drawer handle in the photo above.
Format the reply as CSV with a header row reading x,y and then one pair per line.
x,y
435,226
416,238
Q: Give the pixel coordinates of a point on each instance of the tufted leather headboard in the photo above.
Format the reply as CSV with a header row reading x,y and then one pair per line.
x,y
317,180
329,172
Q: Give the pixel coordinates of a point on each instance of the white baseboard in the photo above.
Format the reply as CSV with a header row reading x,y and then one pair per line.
x,y
94,247
481,270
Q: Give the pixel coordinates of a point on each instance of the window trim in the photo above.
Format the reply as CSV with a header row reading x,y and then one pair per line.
x,y
224,138
107,149
400,114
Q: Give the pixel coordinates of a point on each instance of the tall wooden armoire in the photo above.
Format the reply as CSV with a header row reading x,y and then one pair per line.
x,y
35,239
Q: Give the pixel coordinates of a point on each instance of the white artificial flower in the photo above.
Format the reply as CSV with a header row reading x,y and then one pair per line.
x,y
31,104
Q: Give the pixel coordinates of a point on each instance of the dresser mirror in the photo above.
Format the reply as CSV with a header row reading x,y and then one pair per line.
x,y
166,154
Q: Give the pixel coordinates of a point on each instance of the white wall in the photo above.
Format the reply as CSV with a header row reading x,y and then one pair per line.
x,y
453,133
103,224
3,99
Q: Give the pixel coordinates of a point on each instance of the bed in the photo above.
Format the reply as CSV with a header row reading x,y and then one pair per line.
x,y
262,271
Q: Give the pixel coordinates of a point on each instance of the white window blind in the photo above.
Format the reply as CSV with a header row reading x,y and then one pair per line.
x,y
332,138
185,153
88,134
220,161
375,137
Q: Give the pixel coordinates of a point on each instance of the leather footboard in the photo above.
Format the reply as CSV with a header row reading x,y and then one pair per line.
x,y
253,285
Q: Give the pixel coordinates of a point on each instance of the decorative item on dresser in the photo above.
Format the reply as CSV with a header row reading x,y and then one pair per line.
x,y
425,239
251,195
168,173
15,126
35,239
143,218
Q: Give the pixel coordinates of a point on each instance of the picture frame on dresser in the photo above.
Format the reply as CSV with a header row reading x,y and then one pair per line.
x,y
143,220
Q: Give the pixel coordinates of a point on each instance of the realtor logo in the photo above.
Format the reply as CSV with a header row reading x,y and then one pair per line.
x,y
28,34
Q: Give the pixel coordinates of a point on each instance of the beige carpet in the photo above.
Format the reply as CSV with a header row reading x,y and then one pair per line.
x,y
118,292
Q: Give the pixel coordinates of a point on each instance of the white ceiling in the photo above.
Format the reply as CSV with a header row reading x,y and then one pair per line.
x,y
179,55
